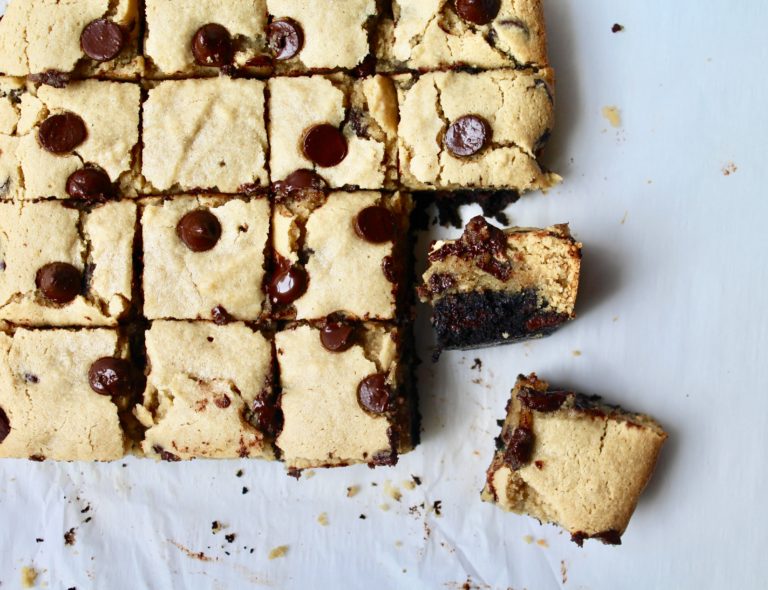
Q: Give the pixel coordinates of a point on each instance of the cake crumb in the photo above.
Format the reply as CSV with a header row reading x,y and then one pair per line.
x,y
576,353
409,484
398,544
309,474
352,491
278,552
322,519
542,543
528,539
384,507
392,491
216,527
613,115
729,168
624,219
563,571
617,28
29,577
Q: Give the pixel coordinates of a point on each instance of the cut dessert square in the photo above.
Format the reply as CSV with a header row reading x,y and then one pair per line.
x,y
73,142
63,393
492,286
204,257
566,458
344,129
338,253
54,40
475,130
437,34
344,396
200,37
62,266
215,403
205,134
307,36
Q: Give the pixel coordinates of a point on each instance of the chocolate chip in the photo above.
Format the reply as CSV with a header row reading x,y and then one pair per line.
x,y
324,145
30,378
617,28
112,376
336,336
375,224
390,269
287,285
519,447
373,393
285,38
221,316
268,417
479,12
212,46
53,78
5,425
467,135
59,282
102,39
365,68
89,183
165,455
62,133
222,401
200,230
542,401
440,282
301,179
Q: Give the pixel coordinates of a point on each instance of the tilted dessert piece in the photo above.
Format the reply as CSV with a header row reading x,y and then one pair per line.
x,y
436,34
475,130
493,286
204,257
567,458
215,403
62,266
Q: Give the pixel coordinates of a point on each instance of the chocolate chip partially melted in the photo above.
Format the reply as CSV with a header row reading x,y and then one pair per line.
x,y
542,401
5,425
374,393
221,316
300,180
89,183
212,46
336,336
62,133
288,284
467,135
112,376
285,38
375,224
200,230
59,282
102,39
478,12
519,447
324,145
268,417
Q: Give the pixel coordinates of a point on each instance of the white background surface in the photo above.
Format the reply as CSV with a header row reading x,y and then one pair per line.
x,y
672,323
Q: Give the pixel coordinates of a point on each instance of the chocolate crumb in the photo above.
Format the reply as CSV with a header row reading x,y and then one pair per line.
x,y
437,507
70,537
39,540
245,490
477,365
230,537
239,473
416,479
363,517
617,28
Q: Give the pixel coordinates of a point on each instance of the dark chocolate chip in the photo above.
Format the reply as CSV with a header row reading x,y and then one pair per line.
x,y
62,133
165,455
112,376
609,537
336,336
478,12
542,401
222,401
375,224
617,28
5,425
324,145
212,46
519,447
373,393
102,39
260,61
390,269
30,378
221,316
365,68
287,285
53,78
59,282
89,183
269,417
440,282
285,38
301,179
200,230
467,135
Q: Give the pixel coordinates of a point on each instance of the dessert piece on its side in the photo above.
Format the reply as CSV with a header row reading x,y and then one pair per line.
x,y
567,458
493,286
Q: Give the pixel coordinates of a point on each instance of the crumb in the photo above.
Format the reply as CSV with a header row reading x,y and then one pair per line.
x,y
437,507
245,490
28,577
310,474
362,517
70,537
230,537
409,484
477,365
576,353
384,507
352,491
615,318
86,509
624,219
542,543
278,552
729,168
199,555
392,491
528,539
216,527
416,479
617,28
398,544
649,181
613,115
323,519
39,540
239,473
563,571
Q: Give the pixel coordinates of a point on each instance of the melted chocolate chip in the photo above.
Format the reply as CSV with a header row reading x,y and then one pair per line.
x,y
375,224
165,455
336,336
285,38
59,282
609,537
545,321
212,46
542,401
200,230
288,284
90,184
30,378
440,282
373,393
298,180
102,39
268,417
467,135
62,133
365,68
324,145
519,447
222,401
478,12
390,269
53,78
221,316
112,376
5,425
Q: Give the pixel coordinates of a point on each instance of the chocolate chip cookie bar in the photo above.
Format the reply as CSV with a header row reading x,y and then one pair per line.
x,y
492,286
337,253
55,41
204,257
343,129
215,403
439,34
567,458
205,135
62,266
475,130
62,394
74,142
344,395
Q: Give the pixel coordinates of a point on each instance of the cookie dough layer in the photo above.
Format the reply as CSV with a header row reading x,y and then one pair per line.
x,y
98,242
197,405
47,400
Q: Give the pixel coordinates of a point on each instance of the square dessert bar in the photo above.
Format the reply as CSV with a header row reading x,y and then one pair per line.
x,y
338,253
475,130
204,257
344,129
566,458
492,286
62,266
73,142
63,394
205,135
54,40
345,396
215,403
438,34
